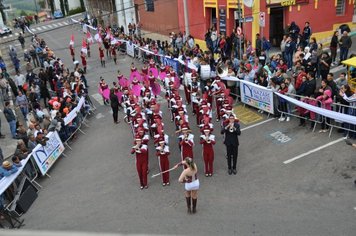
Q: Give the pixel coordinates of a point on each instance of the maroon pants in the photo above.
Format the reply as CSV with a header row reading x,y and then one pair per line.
x,y
187,94
142,167
164,165
208,161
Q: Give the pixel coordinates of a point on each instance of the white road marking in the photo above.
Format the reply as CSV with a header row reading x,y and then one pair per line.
x,y
257,124
60,24
313,150
55,25
65,23
16,34
98,98
44,27
50,26
355,208
39,28
10,35
33,30
5,37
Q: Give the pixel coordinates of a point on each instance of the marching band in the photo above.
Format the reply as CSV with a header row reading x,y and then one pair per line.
x,y
144,116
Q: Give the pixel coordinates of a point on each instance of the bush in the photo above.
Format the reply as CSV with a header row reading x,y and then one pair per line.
x,y
75,11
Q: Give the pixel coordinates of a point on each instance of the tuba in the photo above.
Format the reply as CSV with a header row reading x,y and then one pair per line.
x,y
222,70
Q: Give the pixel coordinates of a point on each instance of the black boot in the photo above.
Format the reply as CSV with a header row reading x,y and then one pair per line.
x,y
189,203
194,205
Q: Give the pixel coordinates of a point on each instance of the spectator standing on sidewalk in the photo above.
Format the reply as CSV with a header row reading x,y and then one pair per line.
x,y
21,40
22,102
345,43
333,47
11,119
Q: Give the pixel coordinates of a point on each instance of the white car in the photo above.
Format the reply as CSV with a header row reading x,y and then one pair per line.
x,y
5,31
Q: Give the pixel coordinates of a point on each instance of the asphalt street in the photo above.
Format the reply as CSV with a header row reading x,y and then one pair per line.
x,y
96,188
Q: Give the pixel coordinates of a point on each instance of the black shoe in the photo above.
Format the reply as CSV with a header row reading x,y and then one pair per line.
x,y
234,171
230,172
2,136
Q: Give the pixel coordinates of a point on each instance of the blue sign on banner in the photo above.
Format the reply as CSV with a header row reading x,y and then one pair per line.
x,y
171,62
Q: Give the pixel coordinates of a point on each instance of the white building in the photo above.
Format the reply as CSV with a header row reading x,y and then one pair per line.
x,y
73,4
125,13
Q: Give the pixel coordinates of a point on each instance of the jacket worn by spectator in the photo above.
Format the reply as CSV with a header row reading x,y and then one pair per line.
x,y
345,41
9,114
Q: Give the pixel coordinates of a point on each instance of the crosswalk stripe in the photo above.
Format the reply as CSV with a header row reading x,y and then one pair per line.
x,y
39,28
44,27
65,23
50,26
33,30
16,34
55,25
5,37
60,24
10,35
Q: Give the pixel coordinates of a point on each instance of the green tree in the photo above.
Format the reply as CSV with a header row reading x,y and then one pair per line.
x,y
82,5
61,3
51,5
66,6
23,13
42,4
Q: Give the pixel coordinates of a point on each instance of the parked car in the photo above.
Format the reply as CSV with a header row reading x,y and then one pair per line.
x,y
5,31
57,14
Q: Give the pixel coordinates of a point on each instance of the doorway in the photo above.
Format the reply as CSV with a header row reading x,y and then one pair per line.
x,y
213,18
276,26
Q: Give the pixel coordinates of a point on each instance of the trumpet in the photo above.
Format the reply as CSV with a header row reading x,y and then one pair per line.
x,y
231,129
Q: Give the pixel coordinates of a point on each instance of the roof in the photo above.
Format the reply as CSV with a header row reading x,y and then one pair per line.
x,y
350,62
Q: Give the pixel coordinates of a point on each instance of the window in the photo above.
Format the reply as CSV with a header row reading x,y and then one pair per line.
x,y
340,7
149,5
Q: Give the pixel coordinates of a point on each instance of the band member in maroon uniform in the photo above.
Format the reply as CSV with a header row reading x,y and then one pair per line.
x,y
231,129
162,154
186,142
72,53
84,61
141,161
101,56
208,141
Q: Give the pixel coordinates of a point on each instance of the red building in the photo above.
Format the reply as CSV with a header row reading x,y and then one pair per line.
x,y
160,16
324,16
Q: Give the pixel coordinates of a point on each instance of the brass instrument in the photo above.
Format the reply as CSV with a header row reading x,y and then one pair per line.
x,y
207,139
162,150
222,70
186,138
231,129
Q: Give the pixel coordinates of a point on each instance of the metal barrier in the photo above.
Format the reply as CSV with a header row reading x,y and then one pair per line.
x,y
342,108
318,118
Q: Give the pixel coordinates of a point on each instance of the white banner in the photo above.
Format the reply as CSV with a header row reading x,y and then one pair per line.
x,y
70,116
256,96
324,112
73,113
130,49
45,156
6,181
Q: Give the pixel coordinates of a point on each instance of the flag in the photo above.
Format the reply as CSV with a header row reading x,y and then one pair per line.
x,y
84,47
90,38
71,42
108,34
97,37
113,40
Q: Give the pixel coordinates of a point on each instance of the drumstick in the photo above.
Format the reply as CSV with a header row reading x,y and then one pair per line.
x,y
163,172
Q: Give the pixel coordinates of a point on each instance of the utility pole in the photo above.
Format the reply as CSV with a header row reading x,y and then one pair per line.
x,y
186,18
239,16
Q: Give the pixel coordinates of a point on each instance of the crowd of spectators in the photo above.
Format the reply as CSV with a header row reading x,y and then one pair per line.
x,y
39,102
